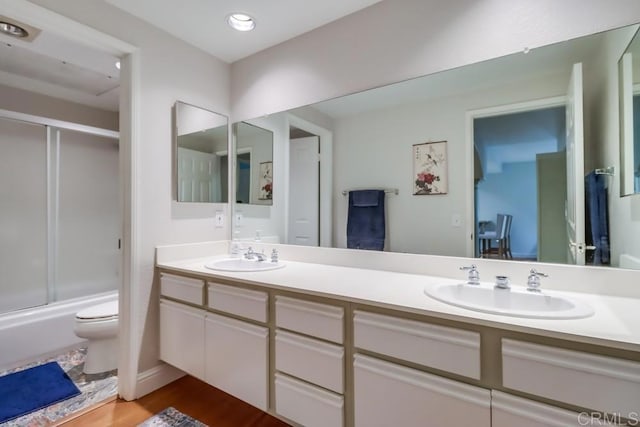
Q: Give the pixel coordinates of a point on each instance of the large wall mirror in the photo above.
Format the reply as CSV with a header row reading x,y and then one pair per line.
x,y
507,158
254,164
201,153
630,117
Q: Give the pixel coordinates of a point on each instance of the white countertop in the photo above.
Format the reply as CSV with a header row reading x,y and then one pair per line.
x,y
616,322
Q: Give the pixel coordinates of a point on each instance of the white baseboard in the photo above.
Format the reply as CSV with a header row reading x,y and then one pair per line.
x,y
155,378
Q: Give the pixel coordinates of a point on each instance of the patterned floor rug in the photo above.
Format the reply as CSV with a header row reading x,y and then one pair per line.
x,y
171,417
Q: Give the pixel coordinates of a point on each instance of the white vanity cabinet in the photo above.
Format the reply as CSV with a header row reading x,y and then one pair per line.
x,y
182,325
439,347
237,355
182,337
309,362
237,351
509,411
388,394
601,383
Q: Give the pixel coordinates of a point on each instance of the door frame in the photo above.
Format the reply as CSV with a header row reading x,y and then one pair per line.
x,y
326,176
130,324
499,110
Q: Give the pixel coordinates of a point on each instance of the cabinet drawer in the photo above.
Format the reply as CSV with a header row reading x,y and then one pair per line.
x,y
307,405
387,394
449,349
241,302
182,288
592,381
319,320
509,411
312,360
182,337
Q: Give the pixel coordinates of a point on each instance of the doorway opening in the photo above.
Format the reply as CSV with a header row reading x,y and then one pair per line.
x,y
520,187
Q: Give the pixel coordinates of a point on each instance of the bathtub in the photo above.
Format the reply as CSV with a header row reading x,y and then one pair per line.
x,y
35,333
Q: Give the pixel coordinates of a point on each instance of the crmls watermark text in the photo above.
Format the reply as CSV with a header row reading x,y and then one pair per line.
x,y
598,419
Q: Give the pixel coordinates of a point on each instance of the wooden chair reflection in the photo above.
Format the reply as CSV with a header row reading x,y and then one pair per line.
x,y
502,237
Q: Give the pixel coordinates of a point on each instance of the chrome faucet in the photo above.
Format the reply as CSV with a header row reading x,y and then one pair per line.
x,y
533,281
474,275
250,254
502,282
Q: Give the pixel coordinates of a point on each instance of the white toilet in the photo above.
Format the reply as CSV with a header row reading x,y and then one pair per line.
x,y
99,325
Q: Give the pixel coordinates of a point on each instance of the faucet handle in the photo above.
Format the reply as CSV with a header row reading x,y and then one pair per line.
x,y
474,274
533,281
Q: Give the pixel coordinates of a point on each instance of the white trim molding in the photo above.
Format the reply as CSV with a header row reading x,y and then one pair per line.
x,y
326,177
498,110
156,377
130,324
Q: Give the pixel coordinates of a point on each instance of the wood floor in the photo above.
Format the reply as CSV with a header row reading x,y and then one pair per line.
x,y
189,396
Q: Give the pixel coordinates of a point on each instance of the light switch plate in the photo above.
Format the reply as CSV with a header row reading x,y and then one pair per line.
x,y
219,219
456,220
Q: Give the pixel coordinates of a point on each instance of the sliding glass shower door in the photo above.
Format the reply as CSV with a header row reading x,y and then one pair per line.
x,y
59,214
23,215
88,221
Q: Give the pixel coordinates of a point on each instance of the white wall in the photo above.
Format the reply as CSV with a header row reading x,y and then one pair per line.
x,y
395,40
171,70
604,124
513,192
373,150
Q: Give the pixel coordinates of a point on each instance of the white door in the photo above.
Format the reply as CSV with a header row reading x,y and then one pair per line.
x,y
304,191
574,210
197,172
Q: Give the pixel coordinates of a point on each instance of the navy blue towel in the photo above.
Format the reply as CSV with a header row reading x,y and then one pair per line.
x,y
365,220
597,218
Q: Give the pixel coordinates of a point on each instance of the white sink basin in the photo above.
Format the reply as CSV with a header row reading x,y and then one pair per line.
x,y
241,264
509,302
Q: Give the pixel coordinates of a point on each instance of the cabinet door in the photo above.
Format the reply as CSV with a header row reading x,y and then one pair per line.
x,y
182,337
508,411
237,358
387,394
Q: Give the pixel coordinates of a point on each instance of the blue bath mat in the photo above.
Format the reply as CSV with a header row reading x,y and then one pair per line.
x,y
35,388
171,417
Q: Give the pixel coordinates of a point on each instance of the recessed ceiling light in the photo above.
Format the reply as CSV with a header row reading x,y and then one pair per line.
x,y
118,65
13,30
241,22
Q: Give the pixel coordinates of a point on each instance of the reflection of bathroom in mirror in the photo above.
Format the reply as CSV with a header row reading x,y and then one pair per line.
x,y
513,156
201,141
254,160
630,117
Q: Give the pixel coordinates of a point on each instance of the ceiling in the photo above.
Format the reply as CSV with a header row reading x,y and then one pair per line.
x,y
59,67
202,23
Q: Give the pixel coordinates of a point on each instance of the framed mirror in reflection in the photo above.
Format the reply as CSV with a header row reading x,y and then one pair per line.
x,y
629,66
254,160
201,152
524,133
